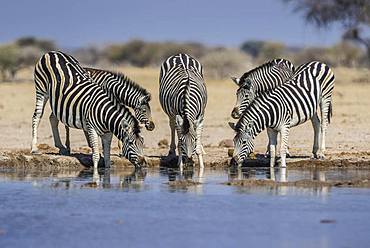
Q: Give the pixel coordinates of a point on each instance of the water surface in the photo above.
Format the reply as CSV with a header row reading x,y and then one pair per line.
x,y
140,209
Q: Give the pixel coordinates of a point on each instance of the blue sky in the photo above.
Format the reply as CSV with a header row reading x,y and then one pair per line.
x,y
74,23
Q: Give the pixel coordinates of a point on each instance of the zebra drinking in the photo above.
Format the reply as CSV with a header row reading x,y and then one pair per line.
x,y
289,105
183,97
121,90
79,103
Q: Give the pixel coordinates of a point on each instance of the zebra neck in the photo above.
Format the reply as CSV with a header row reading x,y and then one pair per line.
x,y
115,119
259,119
123,90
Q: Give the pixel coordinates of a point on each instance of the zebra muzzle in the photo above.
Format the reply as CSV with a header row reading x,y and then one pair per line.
x,y
143,160
235,113
150,126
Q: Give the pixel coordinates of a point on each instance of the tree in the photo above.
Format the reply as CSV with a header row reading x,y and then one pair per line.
x,y
252,47
354,15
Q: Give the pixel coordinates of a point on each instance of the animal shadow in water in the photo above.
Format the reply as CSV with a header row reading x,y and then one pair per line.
x,y
86,160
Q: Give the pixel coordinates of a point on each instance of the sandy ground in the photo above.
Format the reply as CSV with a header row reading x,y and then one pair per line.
x,y
348,135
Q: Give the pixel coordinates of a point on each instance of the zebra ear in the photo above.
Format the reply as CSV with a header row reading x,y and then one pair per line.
x,y
236,80
145,99
232,125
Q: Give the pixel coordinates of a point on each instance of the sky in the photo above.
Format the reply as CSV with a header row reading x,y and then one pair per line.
x,y
77,23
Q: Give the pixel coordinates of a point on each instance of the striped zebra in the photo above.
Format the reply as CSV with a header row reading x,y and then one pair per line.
x,y
183,97
123,90
79,103
289,105
259,80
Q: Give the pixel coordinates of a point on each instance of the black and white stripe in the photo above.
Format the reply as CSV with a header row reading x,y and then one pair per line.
x,y
124,91
261,79
289,105
79,103
183,96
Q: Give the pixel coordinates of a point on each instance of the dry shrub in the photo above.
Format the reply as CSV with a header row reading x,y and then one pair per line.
x,y
223,63
341,54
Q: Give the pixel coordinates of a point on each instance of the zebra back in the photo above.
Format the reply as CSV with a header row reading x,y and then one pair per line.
x,y
119,87
260,79
123,90
182,90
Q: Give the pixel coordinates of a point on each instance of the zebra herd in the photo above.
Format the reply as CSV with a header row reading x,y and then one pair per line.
x,y
274,96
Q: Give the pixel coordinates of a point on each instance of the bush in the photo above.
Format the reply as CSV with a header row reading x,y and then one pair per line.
x,y
252,47
341,54
223,63
141,53
271,50
9,60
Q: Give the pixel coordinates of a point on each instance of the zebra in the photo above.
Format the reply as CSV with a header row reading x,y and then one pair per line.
x,y
121,90
261,79
79,103
183,97
289,105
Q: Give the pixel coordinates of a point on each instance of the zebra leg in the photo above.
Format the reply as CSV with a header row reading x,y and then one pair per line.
x,y
68,141
316,138
325,113
179,161
87,139
287,148
106,142
284,132
172,151
37,115
199,147
94,141
272,134
120,148
57,141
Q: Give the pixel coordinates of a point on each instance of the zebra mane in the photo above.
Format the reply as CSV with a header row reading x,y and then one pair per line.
x,y
123,78
136,125
265,65
271,63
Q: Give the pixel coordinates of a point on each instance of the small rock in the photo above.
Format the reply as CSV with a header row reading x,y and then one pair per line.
x,y
226,143
163,143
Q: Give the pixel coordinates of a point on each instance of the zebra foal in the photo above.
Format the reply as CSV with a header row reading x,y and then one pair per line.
x,y
183,97
79,103
289,105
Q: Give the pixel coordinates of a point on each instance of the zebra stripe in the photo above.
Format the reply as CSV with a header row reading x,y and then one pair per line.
x,y
261,79
123,90
79,103
289,105
183,97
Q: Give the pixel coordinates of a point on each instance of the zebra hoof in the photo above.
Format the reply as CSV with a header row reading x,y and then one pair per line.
x,y
318,156
64,152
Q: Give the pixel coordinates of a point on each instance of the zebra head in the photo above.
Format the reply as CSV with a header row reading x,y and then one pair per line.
x,y
243,142
187,138
132,143
244,96
143,112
